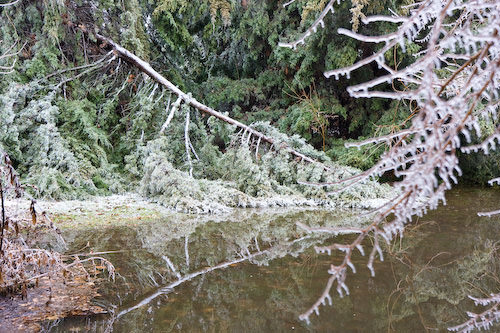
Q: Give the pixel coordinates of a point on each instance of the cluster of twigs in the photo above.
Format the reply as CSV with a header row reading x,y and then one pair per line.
x,y
423,155
21,264
484,320
10,54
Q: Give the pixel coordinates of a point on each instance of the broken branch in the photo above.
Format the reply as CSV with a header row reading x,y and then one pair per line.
x,y
147,69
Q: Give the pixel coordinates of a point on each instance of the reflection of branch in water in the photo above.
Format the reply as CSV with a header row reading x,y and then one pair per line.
x,y
186,250
168,288
171,266
338,273
484,320
181,279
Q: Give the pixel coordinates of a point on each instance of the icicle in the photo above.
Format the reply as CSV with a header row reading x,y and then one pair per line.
x,y
372,271
360,249
344,286
329,298
349,263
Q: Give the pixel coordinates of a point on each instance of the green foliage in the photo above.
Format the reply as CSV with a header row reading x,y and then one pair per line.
x,y
167,14
60,160
241,178
340,57
240,69
363,158
45,61
87,130
225,94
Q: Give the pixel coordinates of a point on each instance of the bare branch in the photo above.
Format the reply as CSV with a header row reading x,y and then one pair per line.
x,y
8,54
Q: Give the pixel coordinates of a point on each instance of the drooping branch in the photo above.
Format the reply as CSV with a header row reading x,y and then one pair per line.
x,y
174,108
186,98
187,143
424,153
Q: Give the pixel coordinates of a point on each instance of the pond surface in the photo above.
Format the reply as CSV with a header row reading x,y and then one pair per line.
x,y
257,272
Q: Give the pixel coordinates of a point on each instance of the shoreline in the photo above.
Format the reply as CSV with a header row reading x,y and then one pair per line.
x,y
120,209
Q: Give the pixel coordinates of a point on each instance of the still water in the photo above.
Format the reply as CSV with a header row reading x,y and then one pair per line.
x,y
255,271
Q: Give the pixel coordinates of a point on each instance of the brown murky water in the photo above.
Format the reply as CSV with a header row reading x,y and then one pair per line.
x,y
193,276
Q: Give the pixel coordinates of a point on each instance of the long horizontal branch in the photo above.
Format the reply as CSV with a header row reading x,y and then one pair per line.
x,y
181,279
151,72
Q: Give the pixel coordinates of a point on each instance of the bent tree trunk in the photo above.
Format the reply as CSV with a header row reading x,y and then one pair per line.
x,y
147,69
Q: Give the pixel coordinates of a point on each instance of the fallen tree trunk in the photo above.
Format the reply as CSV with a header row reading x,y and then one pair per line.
x,y
147,69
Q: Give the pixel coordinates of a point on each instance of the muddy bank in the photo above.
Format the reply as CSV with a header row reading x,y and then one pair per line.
x,y
54,298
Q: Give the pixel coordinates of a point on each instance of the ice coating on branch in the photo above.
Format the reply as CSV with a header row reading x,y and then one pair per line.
x,y
455,82
484,320
319,22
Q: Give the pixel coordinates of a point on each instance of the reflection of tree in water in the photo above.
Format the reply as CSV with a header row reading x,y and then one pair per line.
x,y
424,283
194,247
434,278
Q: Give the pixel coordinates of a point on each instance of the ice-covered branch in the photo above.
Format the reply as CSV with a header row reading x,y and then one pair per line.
x,y
383,18
187,143
484,320
449,107
7,55
319,22
487,144
188,100
9,3
174,108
